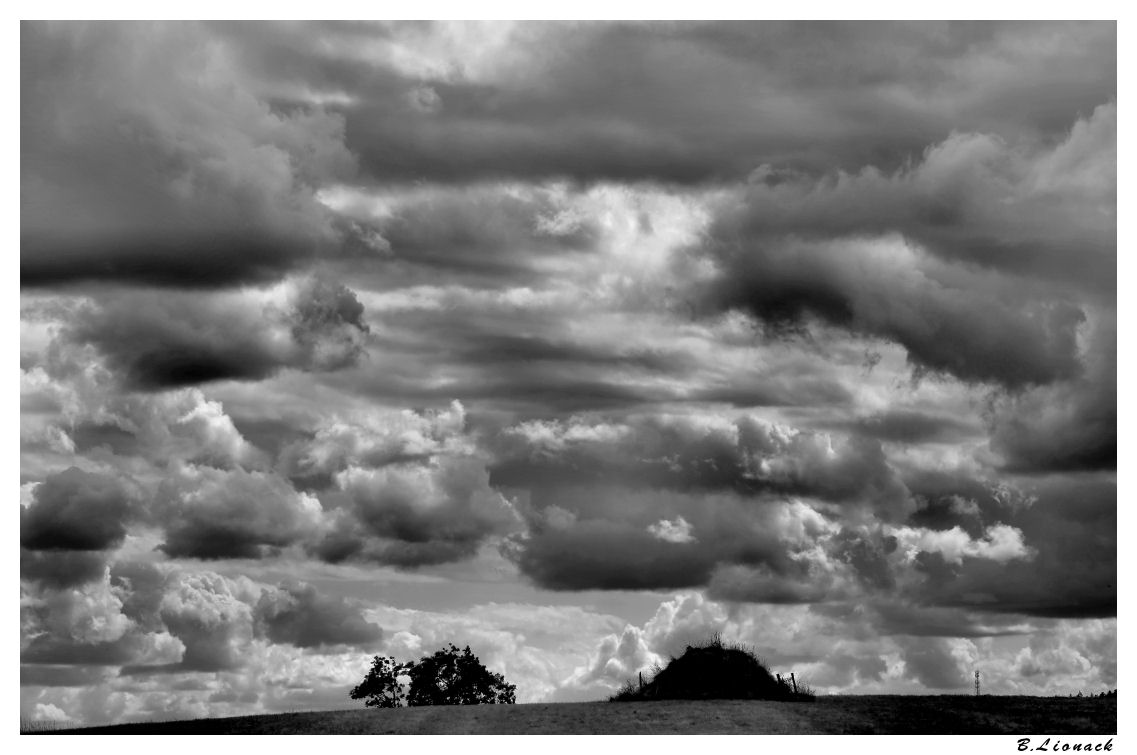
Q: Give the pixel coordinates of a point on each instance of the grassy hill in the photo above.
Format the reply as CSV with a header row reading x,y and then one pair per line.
x,y
713,671
870,714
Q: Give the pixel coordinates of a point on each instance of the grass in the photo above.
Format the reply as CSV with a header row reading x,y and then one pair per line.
x,y
34,726
868,714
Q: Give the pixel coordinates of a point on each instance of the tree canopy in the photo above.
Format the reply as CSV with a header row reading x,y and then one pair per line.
x,y
381,687
447,677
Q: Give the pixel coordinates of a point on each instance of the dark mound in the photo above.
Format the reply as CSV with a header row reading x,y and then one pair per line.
x,y
713,672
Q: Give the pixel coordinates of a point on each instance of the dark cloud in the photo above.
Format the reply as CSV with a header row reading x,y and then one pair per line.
x,y
816,319
297,615
895,255
608,556
61,676
1010,206
747,455
158,341
50,650
61,569
909,426
485,102
613,537
208,513
146,159
410,515
1069,426
762,585
1071,524
78,511
876,287
903,618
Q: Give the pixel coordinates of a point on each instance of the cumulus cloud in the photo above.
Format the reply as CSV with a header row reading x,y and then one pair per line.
x,y
589,537
211,616
298,615
210,513
1000,543
376,438
156,619
163,340
677,531
78,511
409,515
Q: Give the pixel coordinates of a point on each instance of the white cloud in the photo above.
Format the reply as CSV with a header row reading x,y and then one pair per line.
x,y
673,531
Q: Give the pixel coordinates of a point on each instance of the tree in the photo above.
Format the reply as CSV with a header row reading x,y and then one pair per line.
x,y
448,677
381,686
453,677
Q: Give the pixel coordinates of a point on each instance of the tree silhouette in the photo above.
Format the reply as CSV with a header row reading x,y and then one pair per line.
x,y
381,686
448,677
454,677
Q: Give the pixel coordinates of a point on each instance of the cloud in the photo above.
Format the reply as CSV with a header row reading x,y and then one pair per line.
x,y
1081,656
599,537
296,614
60,569
935,663
149,158
1066,426
165,340
210,514
677,531
909,426
211,616
887,288
961,257
1010,206
490,235
86,626
1070,526
75,510
746,454
829,337
1000,543
375,438
410,515
520,101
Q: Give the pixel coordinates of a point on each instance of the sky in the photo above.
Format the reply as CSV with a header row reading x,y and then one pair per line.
x,y
575,343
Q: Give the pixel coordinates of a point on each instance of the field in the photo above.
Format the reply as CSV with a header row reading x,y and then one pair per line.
x,y
870,714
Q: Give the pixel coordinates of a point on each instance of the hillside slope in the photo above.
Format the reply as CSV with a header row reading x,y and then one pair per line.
x,y
870,714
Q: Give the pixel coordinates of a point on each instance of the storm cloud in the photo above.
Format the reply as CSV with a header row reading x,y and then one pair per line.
x,y
576,342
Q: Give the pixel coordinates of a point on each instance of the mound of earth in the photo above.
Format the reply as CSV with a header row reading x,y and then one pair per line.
x,y
713,672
